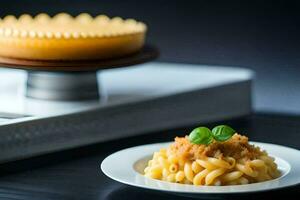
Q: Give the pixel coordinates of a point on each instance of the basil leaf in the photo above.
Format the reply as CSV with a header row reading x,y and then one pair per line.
x,y
222,133
201,135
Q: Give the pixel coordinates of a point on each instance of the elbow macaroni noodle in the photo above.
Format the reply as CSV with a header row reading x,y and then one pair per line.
x,y
166,166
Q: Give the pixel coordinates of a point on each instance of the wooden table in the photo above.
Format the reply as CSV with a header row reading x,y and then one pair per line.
x,y
76,174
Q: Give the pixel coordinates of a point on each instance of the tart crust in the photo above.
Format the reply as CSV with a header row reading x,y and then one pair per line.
x,y
64,37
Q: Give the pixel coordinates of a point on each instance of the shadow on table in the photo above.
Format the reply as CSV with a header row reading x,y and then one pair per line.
x,y
129,193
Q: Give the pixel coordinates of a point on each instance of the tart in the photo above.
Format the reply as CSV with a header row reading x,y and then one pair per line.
x,y
63,37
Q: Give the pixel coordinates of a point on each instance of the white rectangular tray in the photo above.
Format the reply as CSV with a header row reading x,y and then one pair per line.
x,y
135,100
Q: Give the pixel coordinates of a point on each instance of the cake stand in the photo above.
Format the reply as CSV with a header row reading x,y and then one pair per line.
x,y
71,80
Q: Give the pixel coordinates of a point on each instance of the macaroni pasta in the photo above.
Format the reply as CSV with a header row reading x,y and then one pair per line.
x,y
233,162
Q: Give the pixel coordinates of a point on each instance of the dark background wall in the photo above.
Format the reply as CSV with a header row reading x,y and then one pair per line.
x,y
261,35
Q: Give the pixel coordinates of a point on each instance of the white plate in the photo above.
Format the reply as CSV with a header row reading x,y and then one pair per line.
x,y
126,166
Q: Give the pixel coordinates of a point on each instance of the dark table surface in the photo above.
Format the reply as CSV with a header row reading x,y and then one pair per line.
x,y
76,174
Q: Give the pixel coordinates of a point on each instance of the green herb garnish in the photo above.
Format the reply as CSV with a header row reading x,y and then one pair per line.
x,y
203,135
222,133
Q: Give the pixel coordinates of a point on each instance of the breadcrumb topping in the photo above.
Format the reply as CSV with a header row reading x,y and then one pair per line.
x,y
237,147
